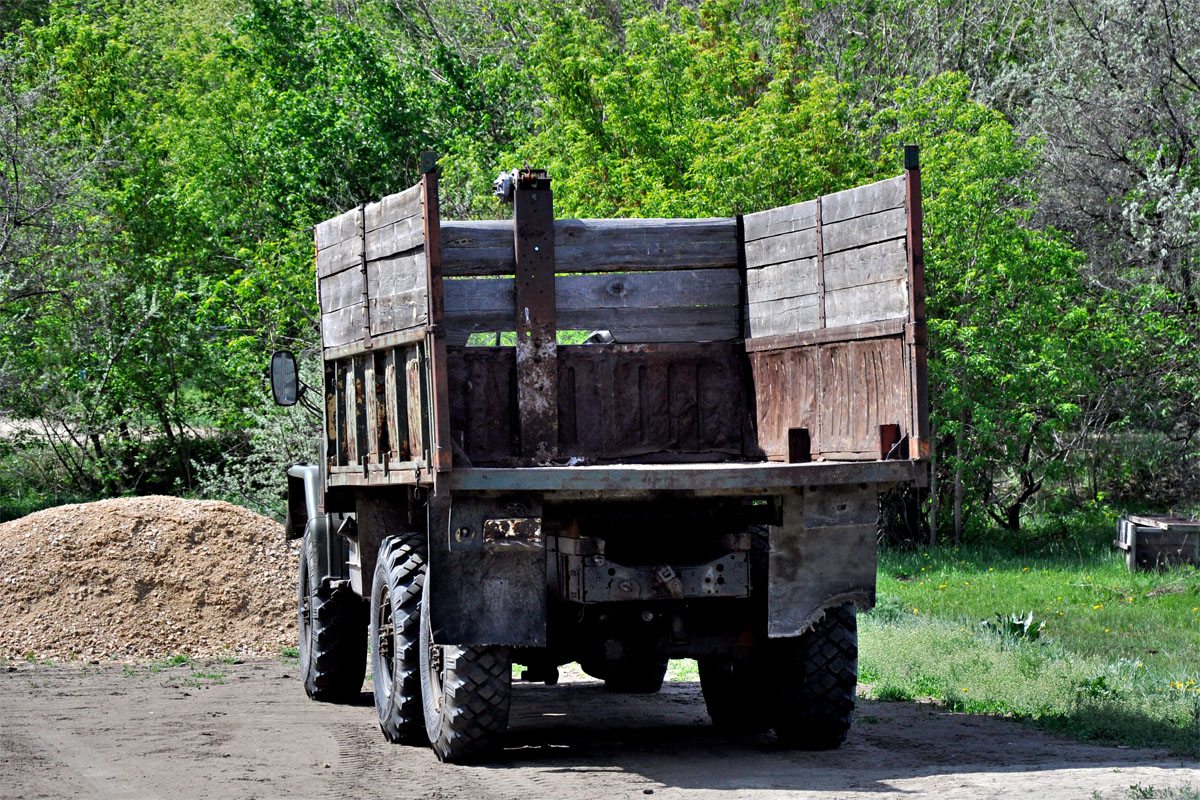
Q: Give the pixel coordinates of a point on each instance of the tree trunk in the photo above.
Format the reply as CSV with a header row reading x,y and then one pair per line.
x,y
933,492
958,475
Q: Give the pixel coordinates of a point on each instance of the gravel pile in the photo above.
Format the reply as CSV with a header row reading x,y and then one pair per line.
x,y
145,577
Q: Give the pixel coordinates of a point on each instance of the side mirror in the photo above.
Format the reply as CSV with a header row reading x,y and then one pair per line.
x,y
285,382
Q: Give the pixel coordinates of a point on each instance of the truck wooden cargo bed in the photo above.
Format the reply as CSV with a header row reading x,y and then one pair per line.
x,y
777,349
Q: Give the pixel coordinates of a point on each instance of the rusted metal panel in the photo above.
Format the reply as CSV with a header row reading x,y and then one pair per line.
x,y
634,478
481,596
821,556
917,356
535,318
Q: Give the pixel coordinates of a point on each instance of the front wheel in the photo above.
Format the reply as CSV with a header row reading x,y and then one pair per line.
x,y
332,627
466,693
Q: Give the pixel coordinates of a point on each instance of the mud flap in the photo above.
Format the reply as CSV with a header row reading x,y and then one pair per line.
x,y
487,570
821,556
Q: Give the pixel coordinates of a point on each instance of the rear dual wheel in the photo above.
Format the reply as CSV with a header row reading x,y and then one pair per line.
x,y
803,687
456,698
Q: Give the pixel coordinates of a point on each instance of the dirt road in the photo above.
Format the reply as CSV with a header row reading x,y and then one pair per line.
x,y
219,730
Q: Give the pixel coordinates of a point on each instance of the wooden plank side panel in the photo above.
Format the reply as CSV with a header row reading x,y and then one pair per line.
x,y
862,231
783,316
395,405
787,279
874,302
611,245
693,305
786,219
480,388
785,388
785,247
876,263
343,255
341,290
413,402
393,208
402,236
343,326
337,229
863,385
860,201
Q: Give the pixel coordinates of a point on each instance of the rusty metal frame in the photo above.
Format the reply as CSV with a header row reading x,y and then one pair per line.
x,y
535,317
435,338
916,337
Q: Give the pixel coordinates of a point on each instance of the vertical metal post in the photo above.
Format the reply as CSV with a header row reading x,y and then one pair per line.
x,y
916,337
536,321
435,339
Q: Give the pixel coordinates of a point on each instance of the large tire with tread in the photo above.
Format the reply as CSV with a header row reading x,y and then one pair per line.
x,y
396,637
466,692
332,628
817,674
732,693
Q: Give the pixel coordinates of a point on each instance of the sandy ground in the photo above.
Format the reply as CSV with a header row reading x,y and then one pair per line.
x,y
246,730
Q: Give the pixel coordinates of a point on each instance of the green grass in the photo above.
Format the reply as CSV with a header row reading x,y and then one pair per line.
x,y
1118,660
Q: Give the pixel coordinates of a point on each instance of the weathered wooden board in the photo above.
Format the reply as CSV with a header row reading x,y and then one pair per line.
x,y
876,263
482,391
787,219
343,326
341,289
393,208
785,387
870,303
337,257
861,231
863,200
783,315
337,229
788,279
612,245
863,385
778,249
693,305
666,402
395,237
399,293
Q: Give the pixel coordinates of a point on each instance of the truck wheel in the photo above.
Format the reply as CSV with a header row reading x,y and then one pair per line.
x,y
332,627
465,692
813,711
731,693
396,637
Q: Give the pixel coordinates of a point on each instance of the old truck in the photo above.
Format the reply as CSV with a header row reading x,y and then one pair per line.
x,y
697,477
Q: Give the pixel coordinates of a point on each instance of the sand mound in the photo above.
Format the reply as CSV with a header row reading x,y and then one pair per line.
x,y
145,577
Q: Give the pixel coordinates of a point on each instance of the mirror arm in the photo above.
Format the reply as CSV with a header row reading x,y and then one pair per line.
x,y
302,399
